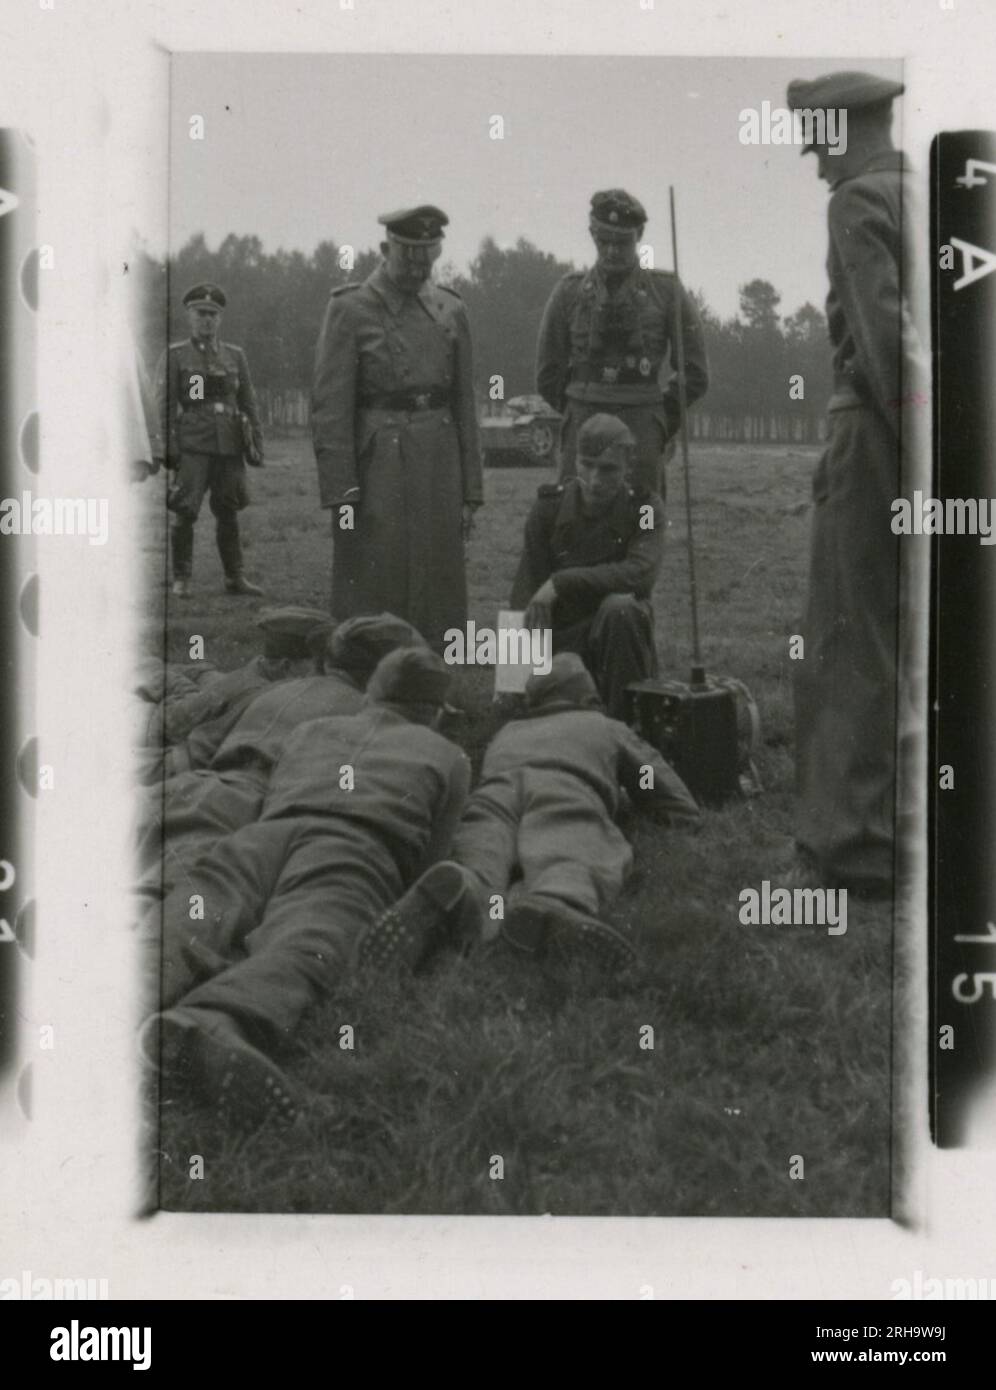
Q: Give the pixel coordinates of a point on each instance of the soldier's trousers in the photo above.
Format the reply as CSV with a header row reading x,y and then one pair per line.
x,y
223,477
616,645
649,426
283,902
551,827
186,817
845,685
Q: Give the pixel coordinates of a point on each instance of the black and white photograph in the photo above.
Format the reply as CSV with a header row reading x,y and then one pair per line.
x,y
498,592
619,942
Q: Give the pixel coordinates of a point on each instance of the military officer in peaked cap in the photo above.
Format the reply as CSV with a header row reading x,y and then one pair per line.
x,y
606,336
394,424
845,688
204,390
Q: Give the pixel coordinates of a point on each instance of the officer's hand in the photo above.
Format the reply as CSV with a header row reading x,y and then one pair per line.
x,y
539,614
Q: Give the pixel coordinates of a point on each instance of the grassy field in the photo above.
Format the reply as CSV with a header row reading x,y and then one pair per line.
x,y
768,1042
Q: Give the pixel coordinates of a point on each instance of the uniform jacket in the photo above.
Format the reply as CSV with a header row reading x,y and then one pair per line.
x,y
376,342
877,356
263,730
601,752
611,349
589,557
408,783
200,391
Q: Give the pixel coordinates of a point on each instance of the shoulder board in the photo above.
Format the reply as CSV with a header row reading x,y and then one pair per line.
x,y
175,347
573,275
344,289
233,347
654,270
448,289
550,490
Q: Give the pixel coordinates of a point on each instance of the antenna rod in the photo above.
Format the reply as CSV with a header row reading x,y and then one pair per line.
x,y
698,670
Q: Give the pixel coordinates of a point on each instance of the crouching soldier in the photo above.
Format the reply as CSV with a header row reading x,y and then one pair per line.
x,y
199,807
592,552
545,807
356,809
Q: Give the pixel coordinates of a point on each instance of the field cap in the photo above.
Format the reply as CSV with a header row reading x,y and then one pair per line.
x,y
601,434
841,91
358,644
615,210
291,630
411,676
567,683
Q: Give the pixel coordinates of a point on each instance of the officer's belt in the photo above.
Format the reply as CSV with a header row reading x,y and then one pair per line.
x,y
647,393
431,398
611,374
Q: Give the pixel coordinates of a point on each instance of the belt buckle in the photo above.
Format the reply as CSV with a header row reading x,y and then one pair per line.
x,y
422,399
219,408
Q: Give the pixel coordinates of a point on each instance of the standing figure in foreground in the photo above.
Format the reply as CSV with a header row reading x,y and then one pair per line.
x,y
845,687
606,336
394,424
203,389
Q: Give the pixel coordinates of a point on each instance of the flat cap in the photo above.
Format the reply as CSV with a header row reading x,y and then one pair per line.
x,y
602,433
615,210
411,676
358,644
206,295
841,91
421,226
568,683
292,630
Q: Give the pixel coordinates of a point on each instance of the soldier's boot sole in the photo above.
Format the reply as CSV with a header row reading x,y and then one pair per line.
x,y
559,934
441,909
204,1052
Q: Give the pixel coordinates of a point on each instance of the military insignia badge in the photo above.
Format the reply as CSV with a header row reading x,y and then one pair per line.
x,y
630,362
644,366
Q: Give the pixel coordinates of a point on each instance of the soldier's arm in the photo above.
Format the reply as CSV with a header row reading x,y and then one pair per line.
x,y
652,783
635,573
247,400
868,286
333,403
465,412
553,351
447,814
696,362
536,561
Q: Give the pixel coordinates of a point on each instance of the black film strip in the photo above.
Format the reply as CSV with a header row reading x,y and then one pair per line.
x,y
962,761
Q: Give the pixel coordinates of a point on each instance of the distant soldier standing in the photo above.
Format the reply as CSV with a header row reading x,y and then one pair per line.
x,y
845,687
394,423
203,389
606,335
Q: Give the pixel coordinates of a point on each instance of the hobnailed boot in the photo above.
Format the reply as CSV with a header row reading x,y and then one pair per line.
x,y
238,584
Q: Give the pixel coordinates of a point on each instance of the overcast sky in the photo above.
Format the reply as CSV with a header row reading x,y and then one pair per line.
x,y
298,149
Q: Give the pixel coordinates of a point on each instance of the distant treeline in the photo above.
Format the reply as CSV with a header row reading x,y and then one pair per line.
x,y
276,301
